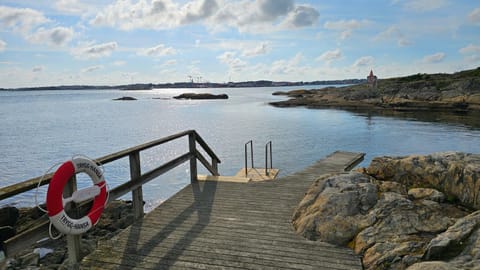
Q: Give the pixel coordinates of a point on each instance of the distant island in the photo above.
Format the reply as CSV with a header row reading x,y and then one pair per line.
x,y
201,96
149,86
457,92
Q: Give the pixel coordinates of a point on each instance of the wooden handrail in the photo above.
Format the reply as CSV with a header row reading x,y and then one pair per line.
x,y
206,147
12,190
134,185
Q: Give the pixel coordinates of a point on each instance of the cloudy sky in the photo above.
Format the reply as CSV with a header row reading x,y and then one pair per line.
x,y
100,42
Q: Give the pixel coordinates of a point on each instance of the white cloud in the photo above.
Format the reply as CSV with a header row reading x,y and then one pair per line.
x,y
244,15
475,58
38,69
57,36
198,10
393,32
3,45
345,27
470,48
260,49
170,62
156,14
119,63
363,61
91,69
234,63
27,22
330,56
434,58
95,51
474,16
288,66
302,16
157,51
20,19
424,5
272,9
471,53
71,6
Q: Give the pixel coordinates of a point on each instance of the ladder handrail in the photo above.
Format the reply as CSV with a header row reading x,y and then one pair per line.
x,y
246,159
266,157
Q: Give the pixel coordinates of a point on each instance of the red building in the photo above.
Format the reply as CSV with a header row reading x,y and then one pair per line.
x,y
372,79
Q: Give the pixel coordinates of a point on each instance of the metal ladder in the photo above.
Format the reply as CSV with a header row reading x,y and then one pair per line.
x,y
268,156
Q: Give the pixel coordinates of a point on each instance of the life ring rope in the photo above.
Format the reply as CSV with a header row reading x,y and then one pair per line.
x,y
56,203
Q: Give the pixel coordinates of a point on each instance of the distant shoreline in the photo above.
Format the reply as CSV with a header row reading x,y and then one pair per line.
x,y
150,86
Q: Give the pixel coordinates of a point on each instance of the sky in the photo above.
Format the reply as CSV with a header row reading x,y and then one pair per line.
x,y
74,42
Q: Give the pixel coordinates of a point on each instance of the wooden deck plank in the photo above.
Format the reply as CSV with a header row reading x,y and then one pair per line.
x,y
258,174
227,225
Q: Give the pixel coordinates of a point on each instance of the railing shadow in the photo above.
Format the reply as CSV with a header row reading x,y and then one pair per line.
x,y
202,204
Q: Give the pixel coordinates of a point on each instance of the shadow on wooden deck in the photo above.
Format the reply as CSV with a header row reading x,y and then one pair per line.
x,y
224,225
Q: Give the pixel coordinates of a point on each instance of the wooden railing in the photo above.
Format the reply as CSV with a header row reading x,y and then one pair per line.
x,y
134,185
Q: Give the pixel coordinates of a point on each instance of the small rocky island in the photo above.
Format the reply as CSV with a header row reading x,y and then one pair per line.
x,y
458,92
124,99
201,96
413,212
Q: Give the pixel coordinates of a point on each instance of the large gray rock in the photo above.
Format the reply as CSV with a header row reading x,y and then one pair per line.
x,y
427,194
392,228
335,207
434,265
455,174
401,231
453,241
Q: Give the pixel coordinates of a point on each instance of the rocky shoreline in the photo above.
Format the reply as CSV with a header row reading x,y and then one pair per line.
x,y
52,254
458,92
414,212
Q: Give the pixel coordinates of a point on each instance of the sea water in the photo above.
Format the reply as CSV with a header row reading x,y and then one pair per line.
x,y
40,129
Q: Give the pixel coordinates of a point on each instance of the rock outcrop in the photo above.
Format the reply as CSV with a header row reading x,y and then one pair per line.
x,y
201,96
397,224
124,99
458,92
457,175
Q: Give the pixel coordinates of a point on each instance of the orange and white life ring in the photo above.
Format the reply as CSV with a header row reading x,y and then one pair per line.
x,y
56,203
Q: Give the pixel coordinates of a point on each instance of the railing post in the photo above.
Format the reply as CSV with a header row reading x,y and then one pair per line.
x,y
266,159
137,194
73,241
215,165
246,160
271,156
193,159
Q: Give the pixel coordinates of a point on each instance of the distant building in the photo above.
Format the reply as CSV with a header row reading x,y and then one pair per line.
x,y
372,79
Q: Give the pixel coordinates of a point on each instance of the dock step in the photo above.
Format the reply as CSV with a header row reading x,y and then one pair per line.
x,y
221,178
253,175
258,174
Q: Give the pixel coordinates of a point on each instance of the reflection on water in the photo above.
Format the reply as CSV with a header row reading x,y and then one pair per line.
x,y
467,120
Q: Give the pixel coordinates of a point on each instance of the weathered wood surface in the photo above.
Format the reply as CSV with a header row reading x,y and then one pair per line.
x,y
224,225
258,174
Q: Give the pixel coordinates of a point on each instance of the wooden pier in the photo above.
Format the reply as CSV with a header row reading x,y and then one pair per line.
x,y
228,225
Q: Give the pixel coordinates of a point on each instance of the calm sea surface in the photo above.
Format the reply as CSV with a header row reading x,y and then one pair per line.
x,y
39,129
